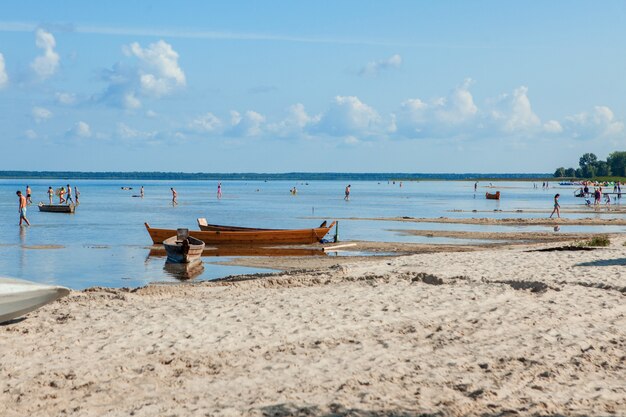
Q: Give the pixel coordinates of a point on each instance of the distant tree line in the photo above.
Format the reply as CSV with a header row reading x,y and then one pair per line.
x,y
299,176
589,166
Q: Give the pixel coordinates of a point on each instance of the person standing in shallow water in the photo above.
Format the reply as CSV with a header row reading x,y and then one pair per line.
x,y
174,196
557,207
28,197
22,208
347,196
219,190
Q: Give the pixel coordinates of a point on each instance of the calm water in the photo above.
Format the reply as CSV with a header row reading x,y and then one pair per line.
x,y
105,242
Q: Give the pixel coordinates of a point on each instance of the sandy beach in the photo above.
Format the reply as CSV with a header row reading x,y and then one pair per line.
x,y
491,332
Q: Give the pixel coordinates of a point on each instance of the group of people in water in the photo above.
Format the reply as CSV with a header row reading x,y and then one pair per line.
x,y
65,197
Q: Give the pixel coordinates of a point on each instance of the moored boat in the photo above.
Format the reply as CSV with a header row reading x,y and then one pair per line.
x,y
18,297
183,251
243,236
490,196
57,208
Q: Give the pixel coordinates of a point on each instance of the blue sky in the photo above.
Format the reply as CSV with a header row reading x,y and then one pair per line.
x,y
354,86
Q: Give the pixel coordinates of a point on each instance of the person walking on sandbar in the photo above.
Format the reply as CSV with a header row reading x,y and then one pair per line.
x,y
557,207
22,208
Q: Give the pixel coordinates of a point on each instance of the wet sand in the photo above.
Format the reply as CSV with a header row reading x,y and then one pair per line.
x,y
483,331
505,221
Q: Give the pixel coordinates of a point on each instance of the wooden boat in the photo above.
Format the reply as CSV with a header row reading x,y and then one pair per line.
x,y
183,251
248,236
495,196
202,223
18,297
57,208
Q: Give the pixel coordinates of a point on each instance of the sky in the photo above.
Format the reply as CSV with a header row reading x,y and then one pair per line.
x,y
323,86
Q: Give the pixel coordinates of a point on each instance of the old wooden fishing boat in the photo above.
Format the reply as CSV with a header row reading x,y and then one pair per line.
x,y
183,251
247,236
57,208
495,196
202,223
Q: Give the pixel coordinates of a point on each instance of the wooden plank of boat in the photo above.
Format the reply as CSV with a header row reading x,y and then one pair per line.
x,y
57,208
183,251
18,297
202,223
495,196
242,237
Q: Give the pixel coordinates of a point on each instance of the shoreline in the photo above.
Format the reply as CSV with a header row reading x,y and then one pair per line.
x,y
451,332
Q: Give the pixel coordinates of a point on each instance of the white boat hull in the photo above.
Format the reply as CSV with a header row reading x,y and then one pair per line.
x,y
18,297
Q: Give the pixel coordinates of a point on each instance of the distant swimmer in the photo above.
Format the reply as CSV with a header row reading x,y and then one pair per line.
x,y
22,208
347,196
50,194
28,199
174,196
219,190
557,207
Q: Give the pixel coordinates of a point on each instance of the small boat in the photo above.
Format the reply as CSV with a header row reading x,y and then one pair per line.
x,y
57,208
183,249
18,297
241,236
490,196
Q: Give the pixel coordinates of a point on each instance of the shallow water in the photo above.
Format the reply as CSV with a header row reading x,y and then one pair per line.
x,y
105,242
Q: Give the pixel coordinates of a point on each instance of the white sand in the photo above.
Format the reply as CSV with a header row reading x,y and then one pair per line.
x,y
367,339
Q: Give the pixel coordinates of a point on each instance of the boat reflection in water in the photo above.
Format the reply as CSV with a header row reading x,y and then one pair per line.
x,y
184,272
229,250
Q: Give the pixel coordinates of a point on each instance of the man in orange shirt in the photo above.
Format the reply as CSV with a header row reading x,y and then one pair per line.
x,y
22,208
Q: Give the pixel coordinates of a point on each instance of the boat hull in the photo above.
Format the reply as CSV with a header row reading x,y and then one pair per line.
x,y
183,252
243,237
18,297
57,208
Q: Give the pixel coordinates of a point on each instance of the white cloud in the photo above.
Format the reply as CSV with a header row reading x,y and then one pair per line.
x,y
4,78
248,124
45,65
41,114
31,134
375,67
552,126
515,112
295,124
601,122
131,101
442,116
126,132
151,114
159,72
206,123
80,130
347,115
66,99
